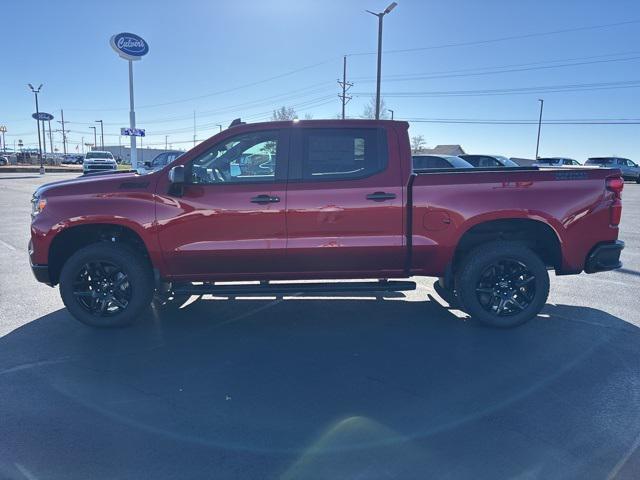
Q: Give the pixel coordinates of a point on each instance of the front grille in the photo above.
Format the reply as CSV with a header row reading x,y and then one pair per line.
x,y
100,167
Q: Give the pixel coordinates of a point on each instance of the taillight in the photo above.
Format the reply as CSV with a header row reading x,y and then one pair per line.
x,y
615,185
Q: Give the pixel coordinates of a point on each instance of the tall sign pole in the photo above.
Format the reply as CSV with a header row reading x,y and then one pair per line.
x,y
132,119
131,47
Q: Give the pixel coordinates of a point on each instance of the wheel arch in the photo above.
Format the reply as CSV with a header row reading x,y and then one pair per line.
x,y
537,234
70,239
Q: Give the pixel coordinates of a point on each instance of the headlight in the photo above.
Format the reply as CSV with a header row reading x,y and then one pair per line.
x,y
37,205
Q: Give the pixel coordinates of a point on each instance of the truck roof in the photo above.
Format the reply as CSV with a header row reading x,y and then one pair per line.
x,y
335,123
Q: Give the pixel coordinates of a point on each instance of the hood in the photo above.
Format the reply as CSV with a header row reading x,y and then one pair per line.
x,y
98,182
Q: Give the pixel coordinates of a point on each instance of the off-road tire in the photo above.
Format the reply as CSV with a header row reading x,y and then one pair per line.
x,y
471,272
139,278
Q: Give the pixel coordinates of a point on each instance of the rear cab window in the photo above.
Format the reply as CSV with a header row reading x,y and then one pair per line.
x,y
341,154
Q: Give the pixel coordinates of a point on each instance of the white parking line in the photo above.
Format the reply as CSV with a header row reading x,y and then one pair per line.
x,y
10,247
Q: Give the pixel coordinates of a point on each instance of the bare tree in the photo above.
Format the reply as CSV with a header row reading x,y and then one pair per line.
x,y
417,143
284,113
370,109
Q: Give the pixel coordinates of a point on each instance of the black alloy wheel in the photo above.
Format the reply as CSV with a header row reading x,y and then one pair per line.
x,y
506,287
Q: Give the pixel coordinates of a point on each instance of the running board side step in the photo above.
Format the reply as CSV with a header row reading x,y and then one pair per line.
x,y
267,288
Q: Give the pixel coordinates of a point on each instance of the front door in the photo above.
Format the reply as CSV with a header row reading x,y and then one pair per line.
x,y
344,203
229,221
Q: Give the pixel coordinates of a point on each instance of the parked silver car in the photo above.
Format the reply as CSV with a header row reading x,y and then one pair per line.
x,y
160,161
556,162
630,170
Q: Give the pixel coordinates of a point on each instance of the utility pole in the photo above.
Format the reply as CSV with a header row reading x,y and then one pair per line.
x,y
3,130
194,128
101,133
35,92
166,139
344,98
64,135
95,137
539,126
380,18
50,138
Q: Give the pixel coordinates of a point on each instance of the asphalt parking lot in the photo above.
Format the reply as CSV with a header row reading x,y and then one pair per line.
x,y
319,388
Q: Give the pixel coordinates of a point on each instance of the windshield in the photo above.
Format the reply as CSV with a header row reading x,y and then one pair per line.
x,y
548,161
458,162
99,155
508,162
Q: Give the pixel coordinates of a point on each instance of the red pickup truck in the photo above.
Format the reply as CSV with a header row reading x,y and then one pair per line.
x,y
320,199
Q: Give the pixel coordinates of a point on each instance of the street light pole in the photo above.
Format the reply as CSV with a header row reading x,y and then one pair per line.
x,y
35,92
95,137
166,140
391,113
539,126
219,126
101,133
379,73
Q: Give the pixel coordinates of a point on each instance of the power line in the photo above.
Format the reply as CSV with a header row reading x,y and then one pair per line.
x,y
504,39
219,92
514,91
523,67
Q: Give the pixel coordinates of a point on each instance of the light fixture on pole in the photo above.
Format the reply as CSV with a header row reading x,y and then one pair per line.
x,y
35,92
380,17
391,113
101,133
539,126
95,137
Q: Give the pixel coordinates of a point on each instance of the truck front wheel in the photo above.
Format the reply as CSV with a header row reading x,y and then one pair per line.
x,y
106,285
502,284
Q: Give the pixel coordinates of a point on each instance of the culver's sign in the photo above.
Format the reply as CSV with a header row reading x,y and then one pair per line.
x,y
129,46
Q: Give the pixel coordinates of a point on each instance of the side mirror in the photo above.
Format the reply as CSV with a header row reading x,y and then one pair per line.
x,y
176,178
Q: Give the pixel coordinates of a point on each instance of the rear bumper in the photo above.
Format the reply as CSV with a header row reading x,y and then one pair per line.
x,y
604,256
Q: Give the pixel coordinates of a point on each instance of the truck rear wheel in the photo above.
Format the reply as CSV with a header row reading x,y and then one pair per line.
x,y
502,284
106,285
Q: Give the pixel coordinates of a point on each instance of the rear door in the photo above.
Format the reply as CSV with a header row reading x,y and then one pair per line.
x,y
344,202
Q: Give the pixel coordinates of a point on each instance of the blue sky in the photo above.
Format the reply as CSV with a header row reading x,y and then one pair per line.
x,y
203,54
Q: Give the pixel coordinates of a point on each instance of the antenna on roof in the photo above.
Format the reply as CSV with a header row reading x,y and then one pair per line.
x,y
236,122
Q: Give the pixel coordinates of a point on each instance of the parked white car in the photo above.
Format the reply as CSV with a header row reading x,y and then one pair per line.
x,y
98,161
556,162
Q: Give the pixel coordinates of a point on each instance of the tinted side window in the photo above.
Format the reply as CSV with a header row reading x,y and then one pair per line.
x,y
249,157
481,161
331,154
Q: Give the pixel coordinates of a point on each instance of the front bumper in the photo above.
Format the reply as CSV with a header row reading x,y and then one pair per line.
x,y
41,272
99,167
604,256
